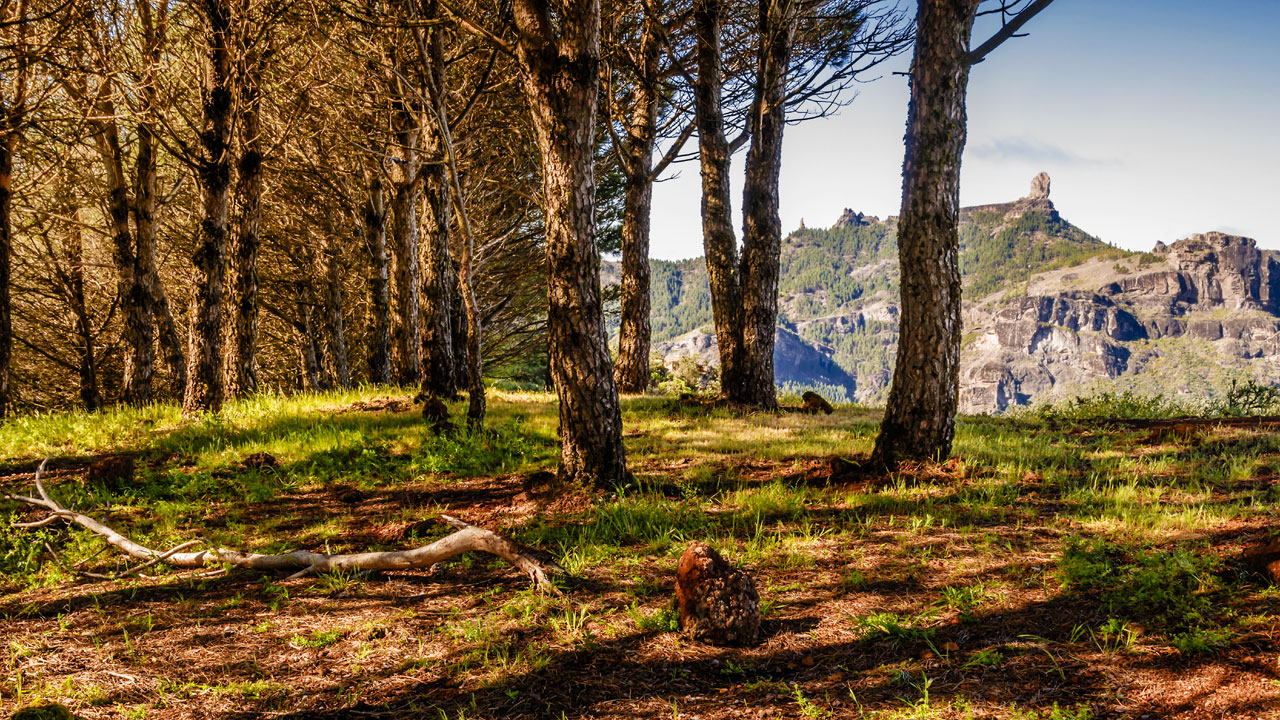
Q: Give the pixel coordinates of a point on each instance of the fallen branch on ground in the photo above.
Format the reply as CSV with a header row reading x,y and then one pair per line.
x,y
536,564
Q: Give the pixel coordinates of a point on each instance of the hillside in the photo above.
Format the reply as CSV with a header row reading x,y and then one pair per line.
x,y
1050,310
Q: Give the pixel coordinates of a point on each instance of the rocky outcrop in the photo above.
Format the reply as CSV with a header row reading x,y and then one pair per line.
x,y
1072,310
1040,187
849,218
1212,271
1213,288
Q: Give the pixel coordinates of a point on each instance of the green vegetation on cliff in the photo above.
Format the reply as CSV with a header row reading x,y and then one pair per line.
x,y
996,252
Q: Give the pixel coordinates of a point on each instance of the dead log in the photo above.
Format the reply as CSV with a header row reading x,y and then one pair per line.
x,y
534,563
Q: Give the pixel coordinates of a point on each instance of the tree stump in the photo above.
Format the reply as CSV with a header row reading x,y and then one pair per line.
x,y
718,603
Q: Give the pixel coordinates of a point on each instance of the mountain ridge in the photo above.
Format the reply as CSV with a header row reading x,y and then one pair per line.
x,y
1049,310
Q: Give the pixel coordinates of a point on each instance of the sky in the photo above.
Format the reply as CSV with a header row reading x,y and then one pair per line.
x,y
1155,119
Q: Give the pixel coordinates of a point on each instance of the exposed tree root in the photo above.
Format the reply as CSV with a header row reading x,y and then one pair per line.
x,y
536,564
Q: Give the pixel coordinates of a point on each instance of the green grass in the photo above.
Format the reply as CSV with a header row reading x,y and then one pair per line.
x,y
1109,521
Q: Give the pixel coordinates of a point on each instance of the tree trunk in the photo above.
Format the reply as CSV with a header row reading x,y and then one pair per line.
x,y
145,225
762,228
919,420
205,391
404,212
458,316
438,362
375,239
90,393
334,327
308,348
559,64
466,275
144,201
718,238
8,140
632,370
135,297
244,255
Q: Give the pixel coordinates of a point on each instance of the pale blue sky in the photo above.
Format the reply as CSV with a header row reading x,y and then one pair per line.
x,y
1155,118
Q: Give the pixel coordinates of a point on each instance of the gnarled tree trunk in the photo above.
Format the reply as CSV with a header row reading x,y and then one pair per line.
x,y
135,297
334,327
205,389
87,362
7,142
458,316
919,419
560,63
304,330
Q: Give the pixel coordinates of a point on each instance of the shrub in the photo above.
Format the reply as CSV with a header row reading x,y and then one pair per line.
x,y
1173,588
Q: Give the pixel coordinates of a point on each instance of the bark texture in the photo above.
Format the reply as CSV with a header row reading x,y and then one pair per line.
x,y
560,66
379,282
135,296
438,363
335,328
7,142
205,389
404,213
304,330
632,369
919,419
718,239
244,256
762,227
144,198
73,281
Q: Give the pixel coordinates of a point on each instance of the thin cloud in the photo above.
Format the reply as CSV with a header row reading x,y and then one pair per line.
x,y
1034,152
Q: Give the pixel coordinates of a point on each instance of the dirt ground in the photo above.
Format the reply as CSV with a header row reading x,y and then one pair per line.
x,y
471,641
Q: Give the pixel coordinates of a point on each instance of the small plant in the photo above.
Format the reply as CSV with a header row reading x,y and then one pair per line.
x,y
983,659
889,625
1080,712
276,593
336,581
854,580
1114,635
964,598
666,619
808,708
1200,640
317,639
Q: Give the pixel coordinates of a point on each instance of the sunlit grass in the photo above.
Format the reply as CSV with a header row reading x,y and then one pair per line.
x,y
751,484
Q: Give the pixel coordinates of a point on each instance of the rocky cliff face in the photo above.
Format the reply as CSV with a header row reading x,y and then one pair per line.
x,y
1213,289
1049,311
